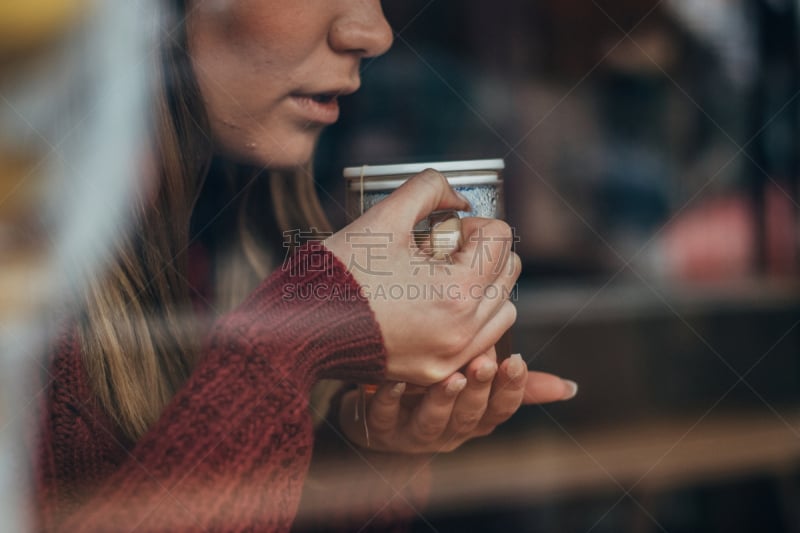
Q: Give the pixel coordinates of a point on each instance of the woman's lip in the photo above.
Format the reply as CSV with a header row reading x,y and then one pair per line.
x,y
316,111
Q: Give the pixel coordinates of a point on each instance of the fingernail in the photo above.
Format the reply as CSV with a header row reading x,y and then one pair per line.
x,y
486,371
463,198
456,385
572,388
516,366
397,390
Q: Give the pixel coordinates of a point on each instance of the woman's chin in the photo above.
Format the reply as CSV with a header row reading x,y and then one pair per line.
x,y
272,156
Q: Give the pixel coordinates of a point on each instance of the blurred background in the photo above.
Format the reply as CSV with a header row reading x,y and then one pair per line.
x,y
652,177
652,153
74,109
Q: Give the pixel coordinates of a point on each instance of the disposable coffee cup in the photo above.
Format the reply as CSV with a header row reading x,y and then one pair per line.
x,y
480,181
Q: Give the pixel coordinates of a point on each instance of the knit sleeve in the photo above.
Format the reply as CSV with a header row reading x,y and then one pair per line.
x,y
232,449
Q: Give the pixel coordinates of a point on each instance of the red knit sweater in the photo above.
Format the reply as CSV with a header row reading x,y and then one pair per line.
x,y
232,450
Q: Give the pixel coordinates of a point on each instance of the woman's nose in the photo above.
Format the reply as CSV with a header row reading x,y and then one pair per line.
x,y
361,28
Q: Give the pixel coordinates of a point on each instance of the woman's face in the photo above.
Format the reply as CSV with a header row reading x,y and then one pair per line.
x,y
270,71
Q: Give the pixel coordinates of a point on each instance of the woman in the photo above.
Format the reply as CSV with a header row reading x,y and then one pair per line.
x,y
180,395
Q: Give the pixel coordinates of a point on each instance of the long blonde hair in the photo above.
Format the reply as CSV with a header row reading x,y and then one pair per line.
x,y
136,328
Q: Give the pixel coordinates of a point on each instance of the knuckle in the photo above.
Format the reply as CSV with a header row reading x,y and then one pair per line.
x,y
516,266
457,343
432,179
383,402
464,421
431,176
499,229
506,232
458,306
453,342
511,312
428,431
381,421
434,373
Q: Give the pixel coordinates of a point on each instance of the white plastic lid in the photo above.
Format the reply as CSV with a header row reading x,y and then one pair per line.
x,y
471,180
368,171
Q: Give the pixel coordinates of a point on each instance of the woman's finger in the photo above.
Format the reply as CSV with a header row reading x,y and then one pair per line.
x,y
491,332
507,391
384,408
424,193
430,418
495,295
471,403
487,245
543,388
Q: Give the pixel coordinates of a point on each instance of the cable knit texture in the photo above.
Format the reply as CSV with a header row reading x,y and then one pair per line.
x,y
232,450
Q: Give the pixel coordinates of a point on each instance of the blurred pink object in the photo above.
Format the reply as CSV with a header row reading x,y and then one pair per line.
x,y
717,240
781,231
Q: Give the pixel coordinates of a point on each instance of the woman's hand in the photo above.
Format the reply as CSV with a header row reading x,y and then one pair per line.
x,y
435,316
451,412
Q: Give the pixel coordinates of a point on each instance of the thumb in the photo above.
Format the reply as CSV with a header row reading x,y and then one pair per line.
x,y
418,197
